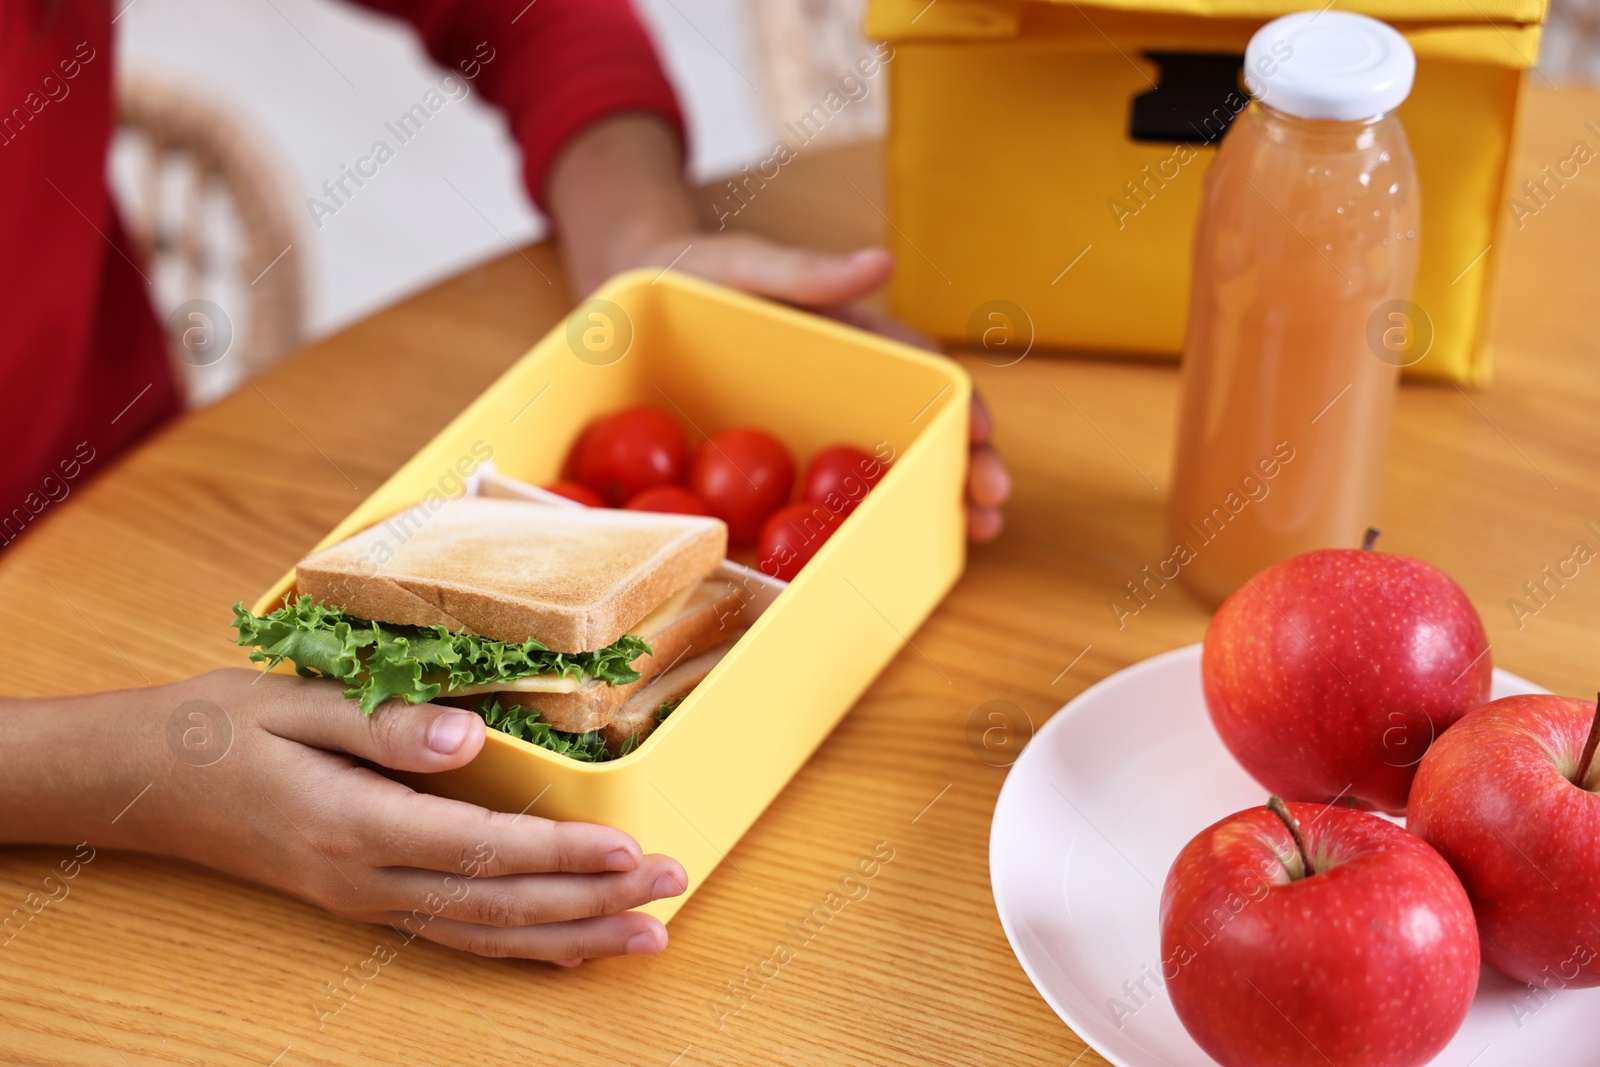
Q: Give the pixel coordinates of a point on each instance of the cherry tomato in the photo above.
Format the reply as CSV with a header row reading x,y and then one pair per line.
x,y
621,455
672,499
743,475
792,535
839,478
576,491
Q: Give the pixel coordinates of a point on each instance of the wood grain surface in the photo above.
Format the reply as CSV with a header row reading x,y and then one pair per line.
x,y
128,583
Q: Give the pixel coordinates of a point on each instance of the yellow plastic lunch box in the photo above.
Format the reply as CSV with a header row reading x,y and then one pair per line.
x,y
1044,161
717,359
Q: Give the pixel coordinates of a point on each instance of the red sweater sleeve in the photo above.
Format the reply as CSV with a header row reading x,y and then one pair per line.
x,y
553,66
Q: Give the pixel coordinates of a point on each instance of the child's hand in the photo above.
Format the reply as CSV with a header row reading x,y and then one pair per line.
x,y
619,201
261,776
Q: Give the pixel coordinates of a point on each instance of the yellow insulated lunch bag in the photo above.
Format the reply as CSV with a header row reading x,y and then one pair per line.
x,y
1044,161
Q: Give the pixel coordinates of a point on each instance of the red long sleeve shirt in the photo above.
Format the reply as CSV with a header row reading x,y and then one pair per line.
x,y
84,367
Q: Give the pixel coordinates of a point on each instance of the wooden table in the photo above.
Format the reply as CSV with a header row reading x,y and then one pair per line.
x,y
129,584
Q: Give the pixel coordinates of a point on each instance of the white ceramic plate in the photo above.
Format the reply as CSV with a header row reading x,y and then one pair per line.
x,y
1090,818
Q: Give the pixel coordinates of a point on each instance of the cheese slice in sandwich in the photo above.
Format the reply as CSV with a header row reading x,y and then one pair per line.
x,y
477,596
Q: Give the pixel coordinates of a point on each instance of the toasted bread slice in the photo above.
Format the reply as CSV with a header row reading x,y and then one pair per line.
x,y
711,613
575,580
637,716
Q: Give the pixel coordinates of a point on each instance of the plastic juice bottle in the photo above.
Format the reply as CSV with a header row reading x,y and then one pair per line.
x,y
1299,316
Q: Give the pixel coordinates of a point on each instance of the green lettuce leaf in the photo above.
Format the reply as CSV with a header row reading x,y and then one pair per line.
x,y
315,640
412,663
396,671
524,724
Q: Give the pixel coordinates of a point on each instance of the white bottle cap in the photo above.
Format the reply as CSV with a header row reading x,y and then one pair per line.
x,y
1329,65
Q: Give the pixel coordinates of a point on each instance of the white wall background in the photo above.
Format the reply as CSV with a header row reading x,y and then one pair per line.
x,y
317,79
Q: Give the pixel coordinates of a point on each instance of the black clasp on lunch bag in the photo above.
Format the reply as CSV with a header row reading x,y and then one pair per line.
x,y
1197,98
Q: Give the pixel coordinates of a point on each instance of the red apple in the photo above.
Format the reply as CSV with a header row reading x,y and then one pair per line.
x,y
1299,935
1329,674
1509,797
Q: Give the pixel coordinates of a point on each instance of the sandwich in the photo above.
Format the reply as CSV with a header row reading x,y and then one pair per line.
x,y
547,621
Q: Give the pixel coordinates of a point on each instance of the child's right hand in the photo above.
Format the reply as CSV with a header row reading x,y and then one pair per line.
x,y
270,785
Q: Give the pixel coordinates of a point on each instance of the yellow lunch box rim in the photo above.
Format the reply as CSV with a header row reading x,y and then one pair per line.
x,y
612,289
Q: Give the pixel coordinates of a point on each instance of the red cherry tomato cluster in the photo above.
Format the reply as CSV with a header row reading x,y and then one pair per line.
x,y
640,459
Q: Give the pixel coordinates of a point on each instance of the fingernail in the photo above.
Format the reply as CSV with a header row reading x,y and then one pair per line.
x,y
666,886
449,732
863,255
643,944
573,962
620,860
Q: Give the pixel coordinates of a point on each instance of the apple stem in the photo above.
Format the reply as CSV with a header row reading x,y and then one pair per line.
x,y
1370,541
1587,759
1276,805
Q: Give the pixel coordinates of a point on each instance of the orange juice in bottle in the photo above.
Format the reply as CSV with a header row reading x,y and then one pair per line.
x,y
1299,317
